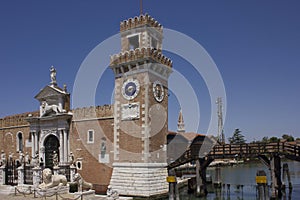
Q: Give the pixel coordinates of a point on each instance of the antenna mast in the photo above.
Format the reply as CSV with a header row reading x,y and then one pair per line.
x,y
141,7
221,137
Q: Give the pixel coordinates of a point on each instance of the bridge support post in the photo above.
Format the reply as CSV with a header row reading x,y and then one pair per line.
x,y
218,182
276,177
286,177
201,165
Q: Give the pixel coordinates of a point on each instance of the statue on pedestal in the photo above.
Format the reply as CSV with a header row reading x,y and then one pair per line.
x,y
55,159
53,75
82,184
112,194
21,157
51,181
36,159
27,159
71,159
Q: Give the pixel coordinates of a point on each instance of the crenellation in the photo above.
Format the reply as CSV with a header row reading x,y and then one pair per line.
x,y
93,112
140,21
140,54
17,120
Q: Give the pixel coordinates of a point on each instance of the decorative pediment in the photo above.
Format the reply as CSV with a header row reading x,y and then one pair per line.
x,y
50,92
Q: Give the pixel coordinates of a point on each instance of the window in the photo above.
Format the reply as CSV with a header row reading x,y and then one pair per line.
x,y
19,142
103,148
90,136
133,42
154,43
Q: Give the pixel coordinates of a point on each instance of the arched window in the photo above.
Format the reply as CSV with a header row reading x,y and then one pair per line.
x,y
20,142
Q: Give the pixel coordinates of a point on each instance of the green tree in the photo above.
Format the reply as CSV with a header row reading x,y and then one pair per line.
x,y
265,139
274,139
288,138
237,137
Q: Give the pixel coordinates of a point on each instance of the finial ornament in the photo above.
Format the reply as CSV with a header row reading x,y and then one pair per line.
x,y
53,76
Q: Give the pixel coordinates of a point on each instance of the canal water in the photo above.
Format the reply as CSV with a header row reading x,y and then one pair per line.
x,y
244,174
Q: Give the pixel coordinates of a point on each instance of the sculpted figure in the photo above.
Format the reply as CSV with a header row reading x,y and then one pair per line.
x,y
55,158
82,184
27,158
46,109
21,157
51,181
36,159
71,158
53,75
112,194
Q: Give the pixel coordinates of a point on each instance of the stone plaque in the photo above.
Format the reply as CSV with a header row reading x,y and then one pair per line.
x,y
130,111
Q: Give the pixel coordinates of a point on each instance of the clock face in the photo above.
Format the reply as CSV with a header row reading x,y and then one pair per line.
x,y
158,91
130,89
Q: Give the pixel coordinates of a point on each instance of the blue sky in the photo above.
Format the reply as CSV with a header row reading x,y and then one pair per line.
x,y
255,45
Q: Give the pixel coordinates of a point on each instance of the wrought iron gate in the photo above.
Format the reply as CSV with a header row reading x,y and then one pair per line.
x,y
11,173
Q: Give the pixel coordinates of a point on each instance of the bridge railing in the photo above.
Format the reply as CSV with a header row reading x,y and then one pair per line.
x,y
219,151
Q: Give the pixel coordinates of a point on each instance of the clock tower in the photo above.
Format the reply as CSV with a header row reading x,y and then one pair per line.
x,y
140,109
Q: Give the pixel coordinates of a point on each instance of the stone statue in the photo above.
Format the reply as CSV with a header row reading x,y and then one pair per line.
x,y
36,159
21,157
82,184
3,158
10,158
46,109
55,159
53,75
51,181
27,159
71,158
112,194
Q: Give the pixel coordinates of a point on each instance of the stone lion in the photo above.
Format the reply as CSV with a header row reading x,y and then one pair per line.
x,y
51,181
82,184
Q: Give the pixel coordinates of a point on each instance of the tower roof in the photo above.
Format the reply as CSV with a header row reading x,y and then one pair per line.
x,y
180,124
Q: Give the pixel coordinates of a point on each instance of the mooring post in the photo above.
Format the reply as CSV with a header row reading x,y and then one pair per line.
x,y
276,177
171,179
218,182
262,185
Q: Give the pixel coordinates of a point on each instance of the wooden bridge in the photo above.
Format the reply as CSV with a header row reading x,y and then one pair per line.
x,y
204,150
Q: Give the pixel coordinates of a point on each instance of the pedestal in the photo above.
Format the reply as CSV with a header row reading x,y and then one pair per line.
x,y
37,176
56,170
139,179
21,175
72,173
2,175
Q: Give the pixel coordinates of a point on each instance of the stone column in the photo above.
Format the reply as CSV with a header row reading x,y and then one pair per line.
x,y
36,148
37,176
33,144
65,146
21,175
2,175
61,148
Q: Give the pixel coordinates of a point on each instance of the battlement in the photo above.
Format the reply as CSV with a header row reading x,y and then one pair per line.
x,y
17,120
140,54
93,112
142,20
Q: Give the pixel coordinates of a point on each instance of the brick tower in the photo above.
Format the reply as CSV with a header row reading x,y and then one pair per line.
x,y
140,109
